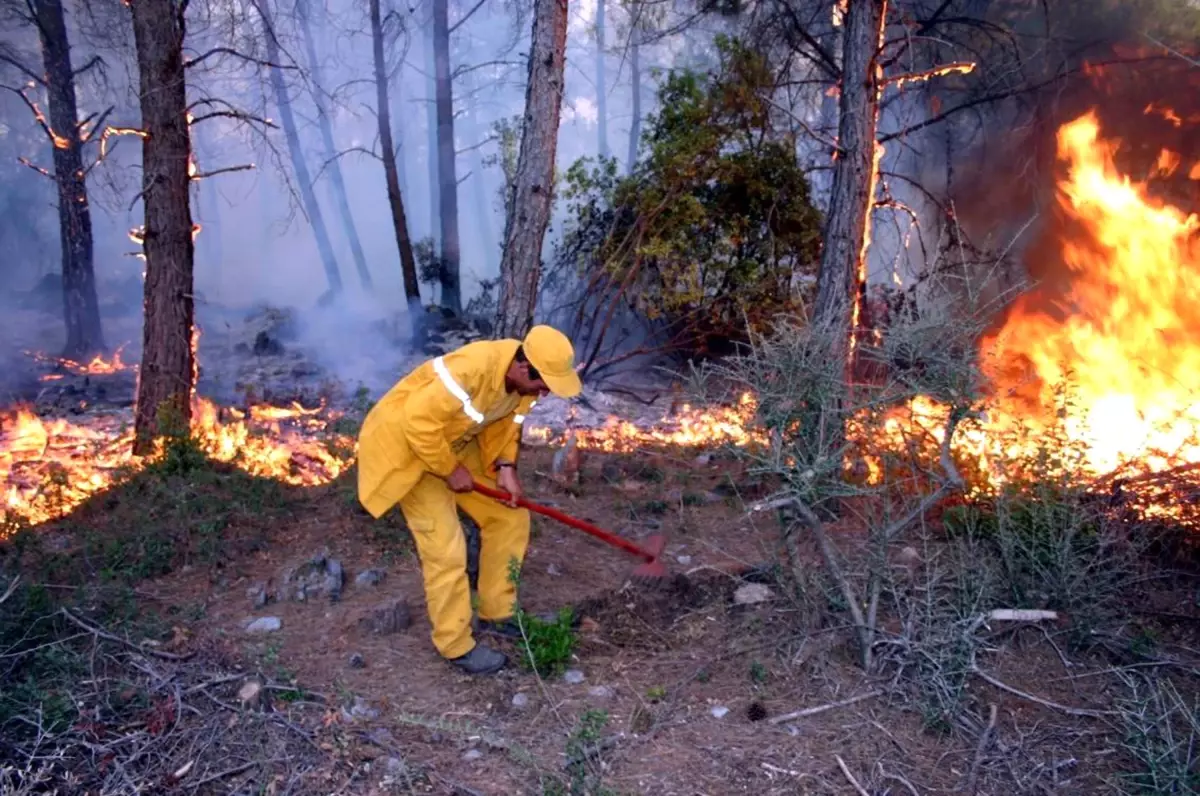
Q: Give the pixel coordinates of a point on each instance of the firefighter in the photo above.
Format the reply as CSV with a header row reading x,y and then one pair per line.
x,y
456,419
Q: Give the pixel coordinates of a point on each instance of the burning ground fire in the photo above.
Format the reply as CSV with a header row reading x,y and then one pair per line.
x,y
1125,337
96,366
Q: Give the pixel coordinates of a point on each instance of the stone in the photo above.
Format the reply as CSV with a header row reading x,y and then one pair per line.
x,y
520,700
369,577
320,576
335,578
601,692
393,616
258,595
685,560
264,624
250,692
553,570
751,593
361,709
719,711
573,677
472,754
357,661
394,766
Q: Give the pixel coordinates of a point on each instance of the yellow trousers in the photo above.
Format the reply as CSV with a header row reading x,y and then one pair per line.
x,y
430,511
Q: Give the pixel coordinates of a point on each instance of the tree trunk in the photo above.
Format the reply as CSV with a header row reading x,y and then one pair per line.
x,y
847,227
168,372
81,310
447,173
292,135
533,188
331,152
601,90
431,143
408,263
635,83
483,211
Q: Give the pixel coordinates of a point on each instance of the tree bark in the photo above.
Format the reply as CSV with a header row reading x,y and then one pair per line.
x,y
408,263
81,310
168,372
431,143
338,185
292,136
449,261
635,84
601,82
533,188
847,228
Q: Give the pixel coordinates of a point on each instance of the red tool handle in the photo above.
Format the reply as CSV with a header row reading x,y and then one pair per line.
x,y
586,527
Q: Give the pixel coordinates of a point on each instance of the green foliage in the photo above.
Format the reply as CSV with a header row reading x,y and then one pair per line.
x,y
547,646
709,230
582,746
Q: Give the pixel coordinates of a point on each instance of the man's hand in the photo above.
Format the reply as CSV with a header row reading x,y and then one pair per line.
x,y
461,480
507,480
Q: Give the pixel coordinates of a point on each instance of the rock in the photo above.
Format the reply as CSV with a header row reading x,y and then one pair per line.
x,y
250,692
573,677
472,754
520,700
258,595
361,709
685,560
553,570
391,617
321,575
264,624
369,577
357,661
394,766
703,459
751,593
719,711
601,692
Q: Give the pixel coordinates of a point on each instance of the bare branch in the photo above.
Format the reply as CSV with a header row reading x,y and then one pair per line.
x,y
204,175
26,162
232,52
93,62
235,114
22,68
467,16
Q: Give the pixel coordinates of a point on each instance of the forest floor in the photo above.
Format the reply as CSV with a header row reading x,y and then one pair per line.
x,y
675,690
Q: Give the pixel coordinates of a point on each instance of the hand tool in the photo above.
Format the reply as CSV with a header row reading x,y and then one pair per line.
x,y
650,550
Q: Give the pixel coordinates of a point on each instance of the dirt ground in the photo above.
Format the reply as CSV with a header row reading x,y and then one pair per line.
x,y
680,685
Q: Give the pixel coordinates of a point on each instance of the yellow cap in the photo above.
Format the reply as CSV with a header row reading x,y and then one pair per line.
x,y
552,354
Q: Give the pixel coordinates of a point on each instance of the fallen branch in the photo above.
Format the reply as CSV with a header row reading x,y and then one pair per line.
x,y
12,586
850,777
1070,711
813,711
168,656
984,739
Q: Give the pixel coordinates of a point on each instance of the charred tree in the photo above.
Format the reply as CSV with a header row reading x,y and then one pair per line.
x,y
408,263
335,169
296,151
847,228
81,310
447,177
601,83
533,187
168,371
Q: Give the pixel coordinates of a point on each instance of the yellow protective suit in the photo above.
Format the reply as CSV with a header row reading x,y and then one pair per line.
x,y
450,410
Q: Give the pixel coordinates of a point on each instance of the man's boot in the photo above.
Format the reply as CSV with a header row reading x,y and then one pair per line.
x,y
481,660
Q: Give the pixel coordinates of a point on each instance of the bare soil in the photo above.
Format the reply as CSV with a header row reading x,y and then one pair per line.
x,y
688,679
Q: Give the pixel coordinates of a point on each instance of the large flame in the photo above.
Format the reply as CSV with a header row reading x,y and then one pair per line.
x,y
47,467
1126,339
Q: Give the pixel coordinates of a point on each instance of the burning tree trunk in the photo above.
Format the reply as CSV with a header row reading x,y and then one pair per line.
x,y
525,228
408,263
335,168
448,262
168,371
843,259
81,310
292,135
601,90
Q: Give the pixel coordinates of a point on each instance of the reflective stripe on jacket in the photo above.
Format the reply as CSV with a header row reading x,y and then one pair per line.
x,y
434,410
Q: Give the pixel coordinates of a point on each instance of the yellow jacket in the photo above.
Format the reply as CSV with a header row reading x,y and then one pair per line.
x,y
423,421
